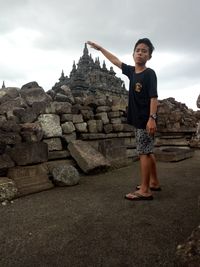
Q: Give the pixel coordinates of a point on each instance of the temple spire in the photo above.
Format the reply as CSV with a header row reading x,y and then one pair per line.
x,y
85,51
62,77
3,86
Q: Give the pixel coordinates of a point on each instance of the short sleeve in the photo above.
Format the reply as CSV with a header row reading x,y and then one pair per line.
x,y
152,84
127,70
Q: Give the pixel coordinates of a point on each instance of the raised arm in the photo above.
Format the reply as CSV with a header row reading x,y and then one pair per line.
x,y
112,58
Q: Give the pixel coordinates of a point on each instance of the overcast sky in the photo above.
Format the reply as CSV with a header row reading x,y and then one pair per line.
x,y
40,38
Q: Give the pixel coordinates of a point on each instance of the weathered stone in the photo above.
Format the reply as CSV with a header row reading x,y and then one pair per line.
x,y
59,108
174,141
173,154
125,134
34,94
195,141
76,109
132,153
27,115
115,120
30,85
118,127
66,117
92,126
63,93
62,154
2,148
119,103
198,101
87,114
77,118
79,100
88,159
6,162
102,116
39,107
113,114
103,109
128,127
68,127
50,165
188,253
108,128
69,137
91,101
8,189
81,127
30,179
53,144
99,126
114,150
10,126
3,119
29,153
92,136
66,175
50,124
31,132
10,138
61,98
8,93
12,104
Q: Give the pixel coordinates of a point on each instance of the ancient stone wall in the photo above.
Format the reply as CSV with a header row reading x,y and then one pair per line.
x,y
40,130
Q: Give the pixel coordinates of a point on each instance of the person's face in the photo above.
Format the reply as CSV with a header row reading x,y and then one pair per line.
x,y
141,54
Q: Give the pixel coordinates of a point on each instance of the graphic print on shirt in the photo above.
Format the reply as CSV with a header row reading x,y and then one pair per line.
x,y
138,87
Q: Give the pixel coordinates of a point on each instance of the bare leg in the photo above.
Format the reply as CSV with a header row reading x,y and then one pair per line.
x,y
148,170
153,172
145,167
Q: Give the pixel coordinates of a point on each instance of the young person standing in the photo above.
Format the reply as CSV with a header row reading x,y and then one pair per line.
x,y
142,112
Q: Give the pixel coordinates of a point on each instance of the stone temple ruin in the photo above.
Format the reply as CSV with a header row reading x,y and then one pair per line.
x,y
89,77
77,128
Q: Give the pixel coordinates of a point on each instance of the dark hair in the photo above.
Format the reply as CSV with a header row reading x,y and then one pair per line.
x,y
147,42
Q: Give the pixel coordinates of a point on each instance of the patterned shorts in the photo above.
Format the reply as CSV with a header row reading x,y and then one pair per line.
x,y
144,142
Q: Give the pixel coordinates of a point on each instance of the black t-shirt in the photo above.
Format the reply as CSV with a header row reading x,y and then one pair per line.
x,y
142,87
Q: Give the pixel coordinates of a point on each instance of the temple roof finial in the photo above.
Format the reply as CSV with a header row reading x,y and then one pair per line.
x,y
3,86
62,77
85,51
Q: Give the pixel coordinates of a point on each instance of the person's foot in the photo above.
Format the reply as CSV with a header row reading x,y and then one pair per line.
x,y
138,196
152,188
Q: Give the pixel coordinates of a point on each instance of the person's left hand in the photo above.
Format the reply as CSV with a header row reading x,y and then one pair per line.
x,y
151,126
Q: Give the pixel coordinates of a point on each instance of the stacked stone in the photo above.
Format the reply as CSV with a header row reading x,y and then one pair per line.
x,y
195,142
36,129
175,116
176,123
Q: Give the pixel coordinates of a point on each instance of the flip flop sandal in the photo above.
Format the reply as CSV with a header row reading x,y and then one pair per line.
x,y
151,188
136,197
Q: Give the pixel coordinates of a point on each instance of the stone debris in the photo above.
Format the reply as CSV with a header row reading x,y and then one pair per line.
x,y
88,159
8,190
30,179
173,154
65,175
188,253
